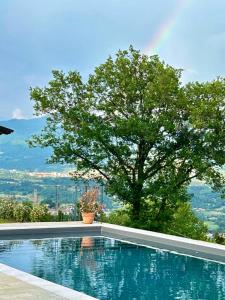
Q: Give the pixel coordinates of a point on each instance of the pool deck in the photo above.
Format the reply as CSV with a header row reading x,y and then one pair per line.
x,y
16,289
18,285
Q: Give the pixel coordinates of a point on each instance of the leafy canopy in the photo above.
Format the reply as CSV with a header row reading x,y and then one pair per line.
x,y
133,122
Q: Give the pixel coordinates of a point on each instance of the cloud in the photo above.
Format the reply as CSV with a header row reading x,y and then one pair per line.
x,y
18,114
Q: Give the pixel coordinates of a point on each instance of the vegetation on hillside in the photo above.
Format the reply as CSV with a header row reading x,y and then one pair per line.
x,y
206,204
47,189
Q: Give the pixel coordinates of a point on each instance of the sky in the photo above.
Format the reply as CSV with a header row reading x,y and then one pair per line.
x,y
38,36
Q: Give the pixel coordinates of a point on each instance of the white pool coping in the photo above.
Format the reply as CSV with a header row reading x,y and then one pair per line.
x,y
69,224
44,224
157,236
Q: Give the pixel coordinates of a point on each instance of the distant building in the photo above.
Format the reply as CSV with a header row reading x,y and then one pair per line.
x,y
35,197
5,130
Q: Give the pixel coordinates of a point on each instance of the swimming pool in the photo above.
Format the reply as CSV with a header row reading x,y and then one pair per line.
x,y
108,268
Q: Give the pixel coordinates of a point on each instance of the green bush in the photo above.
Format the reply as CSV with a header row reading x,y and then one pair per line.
x,y
219,238
119,217
60,216
21,212
11,210
39,213
186,223
6,208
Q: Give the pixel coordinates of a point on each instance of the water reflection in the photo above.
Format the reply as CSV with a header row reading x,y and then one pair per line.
x,y
110,269
87,242
9,245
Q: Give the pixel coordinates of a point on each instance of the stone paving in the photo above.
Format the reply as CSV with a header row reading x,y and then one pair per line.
x,y
12,288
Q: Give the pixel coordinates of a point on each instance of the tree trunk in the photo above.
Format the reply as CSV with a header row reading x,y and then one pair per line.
x,y
136,203
136,209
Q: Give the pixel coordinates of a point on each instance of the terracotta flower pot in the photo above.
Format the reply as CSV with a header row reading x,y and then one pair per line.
x,y
88,218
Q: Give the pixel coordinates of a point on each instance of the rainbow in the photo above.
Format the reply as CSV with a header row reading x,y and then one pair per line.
x,y
165,29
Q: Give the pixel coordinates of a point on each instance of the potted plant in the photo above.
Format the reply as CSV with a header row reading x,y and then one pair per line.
x,y
89,206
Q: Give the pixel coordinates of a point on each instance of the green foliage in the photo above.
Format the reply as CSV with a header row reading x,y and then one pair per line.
x,y
219,238
60,216
11,210
6,208
119,217
183,222
21,212
5,221
186,224
39,213
145,133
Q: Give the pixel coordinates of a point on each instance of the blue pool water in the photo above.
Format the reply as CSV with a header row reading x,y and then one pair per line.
x,y
110,269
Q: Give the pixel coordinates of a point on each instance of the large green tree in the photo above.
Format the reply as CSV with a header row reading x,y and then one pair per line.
x,y
133,122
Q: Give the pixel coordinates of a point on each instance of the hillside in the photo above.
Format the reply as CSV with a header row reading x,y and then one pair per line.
x,y
14,151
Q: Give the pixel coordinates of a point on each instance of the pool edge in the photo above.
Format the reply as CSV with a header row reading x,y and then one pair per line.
x,y
191,247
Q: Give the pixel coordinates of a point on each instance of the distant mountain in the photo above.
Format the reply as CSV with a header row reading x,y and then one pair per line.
x,y
14,151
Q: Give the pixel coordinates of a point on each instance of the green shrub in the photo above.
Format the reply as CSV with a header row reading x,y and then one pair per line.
x,y
21,212
119,217
60,216
186,223
219,238
7,208
28,203
39,213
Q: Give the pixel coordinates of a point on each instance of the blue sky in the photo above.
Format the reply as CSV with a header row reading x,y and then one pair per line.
x,y
40,35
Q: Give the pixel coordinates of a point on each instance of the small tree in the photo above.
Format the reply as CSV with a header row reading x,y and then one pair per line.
x,y
133,122
21,212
